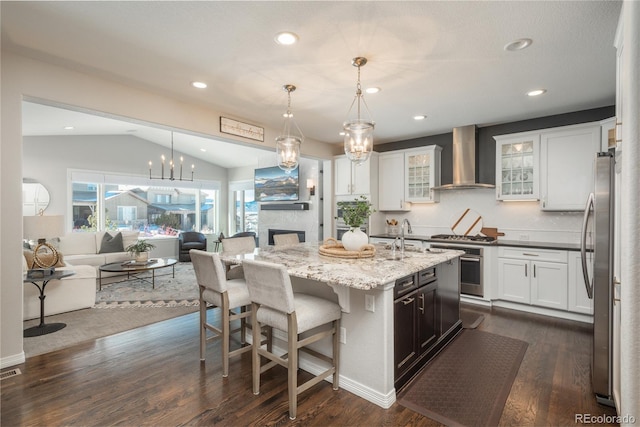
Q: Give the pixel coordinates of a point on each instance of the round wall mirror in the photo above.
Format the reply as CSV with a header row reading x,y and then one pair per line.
x,y
35,198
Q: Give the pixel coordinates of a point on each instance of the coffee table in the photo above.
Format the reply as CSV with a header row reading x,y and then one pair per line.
x,y
134,270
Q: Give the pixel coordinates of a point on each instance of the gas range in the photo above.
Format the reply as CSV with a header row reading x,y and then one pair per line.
x,y
455,238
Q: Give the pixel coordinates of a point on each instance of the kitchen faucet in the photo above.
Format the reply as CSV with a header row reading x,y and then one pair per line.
x,y
409,230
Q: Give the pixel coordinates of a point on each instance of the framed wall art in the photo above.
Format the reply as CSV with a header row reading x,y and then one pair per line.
x,y
245,130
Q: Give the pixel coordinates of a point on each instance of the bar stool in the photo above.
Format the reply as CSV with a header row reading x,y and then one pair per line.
x,y
285,239
275,305
229,295
237,245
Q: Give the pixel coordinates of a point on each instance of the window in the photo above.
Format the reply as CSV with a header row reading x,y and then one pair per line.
x,y
245,208
154,211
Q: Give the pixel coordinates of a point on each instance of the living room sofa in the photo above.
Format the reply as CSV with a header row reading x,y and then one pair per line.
x,y
83,248
68,294
80,253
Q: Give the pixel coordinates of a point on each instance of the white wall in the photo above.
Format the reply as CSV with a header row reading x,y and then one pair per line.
x,y
515,219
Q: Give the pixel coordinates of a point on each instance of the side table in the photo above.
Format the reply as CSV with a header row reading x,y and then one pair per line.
x,y
42,328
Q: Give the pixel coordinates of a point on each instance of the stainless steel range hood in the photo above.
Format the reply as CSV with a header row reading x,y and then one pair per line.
x,y
464,160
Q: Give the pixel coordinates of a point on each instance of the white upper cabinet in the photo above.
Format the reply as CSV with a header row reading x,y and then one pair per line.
x,y
422,173
391,182
517,166
352,179
408,176
566,166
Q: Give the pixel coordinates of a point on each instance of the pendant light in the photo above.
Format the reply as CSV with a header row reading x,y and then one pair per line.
x,y
358,132
288,144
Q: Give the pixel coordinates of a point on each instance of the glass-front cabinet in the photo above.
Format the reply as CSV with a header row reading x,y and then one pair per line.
x,y
517,166
422,173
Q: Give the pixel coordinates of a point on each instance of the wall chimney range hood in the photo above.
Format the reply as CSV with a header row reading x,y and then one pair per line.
x,y
464,160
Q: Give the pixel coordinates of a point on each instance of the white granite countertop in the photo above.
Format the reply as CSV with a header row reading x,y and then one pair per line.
x,y
304,260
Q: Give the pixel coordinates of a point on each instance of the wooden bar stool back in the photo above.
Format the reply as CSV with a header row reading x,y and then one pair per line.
x,y
231,296
274,304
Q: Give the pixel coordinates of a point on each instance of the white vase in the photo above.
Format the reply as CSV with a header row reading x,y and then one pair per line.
x,y
354,239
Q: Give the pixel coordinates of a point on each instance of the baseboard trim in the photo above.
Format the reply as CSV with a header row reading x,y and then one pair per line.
x,y
12,360
568,315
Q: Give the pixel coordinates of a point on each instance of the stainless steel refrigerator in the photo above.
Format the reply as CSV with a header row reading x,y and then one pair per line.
x,y
600,288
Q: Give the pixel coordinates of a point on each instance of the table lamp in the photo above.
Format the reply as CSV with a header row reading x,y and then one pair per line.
x,y
40,228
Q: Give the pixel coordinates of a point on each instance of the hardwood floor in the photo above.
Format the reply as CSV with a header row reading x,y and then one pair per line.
x,y
153,376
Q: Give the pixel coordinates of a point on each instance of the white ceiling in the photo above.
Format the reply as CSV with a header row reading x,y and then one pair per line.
x,y
444,59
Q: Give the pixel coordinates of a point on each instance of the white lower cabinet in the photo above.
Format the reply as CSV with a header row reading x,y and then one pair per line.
x,y
536,277
579,301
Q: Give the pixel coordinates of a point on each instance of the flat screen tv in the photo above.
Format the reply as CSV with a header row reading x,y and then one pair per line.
x,y
273,184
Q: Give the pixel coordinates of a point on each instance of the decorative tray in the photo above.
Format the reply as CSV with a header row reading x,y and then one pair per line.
x,y
331,247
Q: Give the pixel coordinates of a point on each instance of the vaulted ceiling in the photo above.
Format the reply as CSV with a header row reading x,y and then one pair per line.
x,y
443,59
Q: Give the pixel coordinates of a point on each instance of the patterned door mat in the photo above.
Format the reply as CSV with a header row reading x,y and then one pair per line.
x,y
469,382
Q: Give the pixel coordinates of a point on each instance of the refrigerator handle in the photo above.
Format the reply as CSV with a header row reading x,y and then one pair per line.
x,y
583,246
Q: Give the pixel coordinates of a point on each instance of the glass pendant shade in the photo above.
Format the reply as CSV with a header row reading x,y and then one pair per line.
x,y
358,132
358,140
288,144
288,152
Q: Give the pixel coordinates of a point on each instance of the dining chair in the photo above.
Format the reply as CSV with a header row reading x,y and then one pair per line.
x,y
285,239
234,246
275,305
229,295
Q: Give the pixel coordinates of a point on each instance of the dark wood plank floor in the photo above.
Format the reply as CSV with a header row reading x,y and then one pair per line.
x,y
153,376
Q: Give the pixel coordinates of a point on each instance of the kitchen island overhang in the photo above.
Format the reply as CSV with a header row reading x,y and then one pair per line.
x,y
364,288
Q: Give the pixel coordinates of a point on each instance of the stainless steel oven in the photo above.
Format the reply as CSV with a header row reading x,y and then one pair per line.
x,y
470,269
340,230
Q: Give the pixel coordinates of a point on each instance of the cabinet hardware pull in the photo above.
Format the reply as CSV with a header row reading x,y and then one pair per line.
x,y
525,270
421,308
526,254
408,301
469,259
404,285
534,270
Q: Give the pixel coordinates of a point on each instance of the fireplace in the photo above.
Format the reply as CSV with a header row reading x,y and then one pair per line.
x,y
273,231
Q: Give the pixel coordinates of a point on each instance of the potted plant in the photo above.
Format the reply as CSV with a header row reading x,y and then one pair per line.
x,y
140,250
354,214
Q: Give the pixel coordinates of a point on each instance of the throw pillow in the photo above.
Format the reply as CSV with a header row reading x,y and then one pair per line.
x,y
111,243
45,258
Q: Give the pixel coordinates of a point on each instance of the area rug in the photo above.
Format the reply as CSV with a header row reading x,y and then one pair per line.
x,y
90,323
469,382
181,290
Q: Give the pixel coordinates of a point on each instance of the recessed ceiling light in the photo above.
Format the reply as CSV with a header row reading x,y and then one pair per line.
x,y
373,90
286,38
518,45
341,134
69,128
199,85
536,92
204,150
420,117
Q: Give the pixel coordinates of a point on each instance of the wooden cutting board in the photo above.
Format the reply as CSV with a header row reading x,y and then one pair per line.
x,y
466,223
491,232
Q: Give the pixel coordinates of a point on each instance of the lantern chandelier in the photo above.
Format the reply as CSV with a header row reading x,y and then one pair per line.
x,y
171,175
358,132
288,143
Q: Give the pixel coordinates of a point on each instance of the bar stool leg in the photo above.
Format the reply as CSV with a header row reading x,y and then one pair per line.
x,y
255,357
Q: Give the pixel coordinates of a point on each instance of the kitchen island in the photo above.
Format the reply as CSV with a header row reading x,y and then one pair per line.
x,y
365,289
